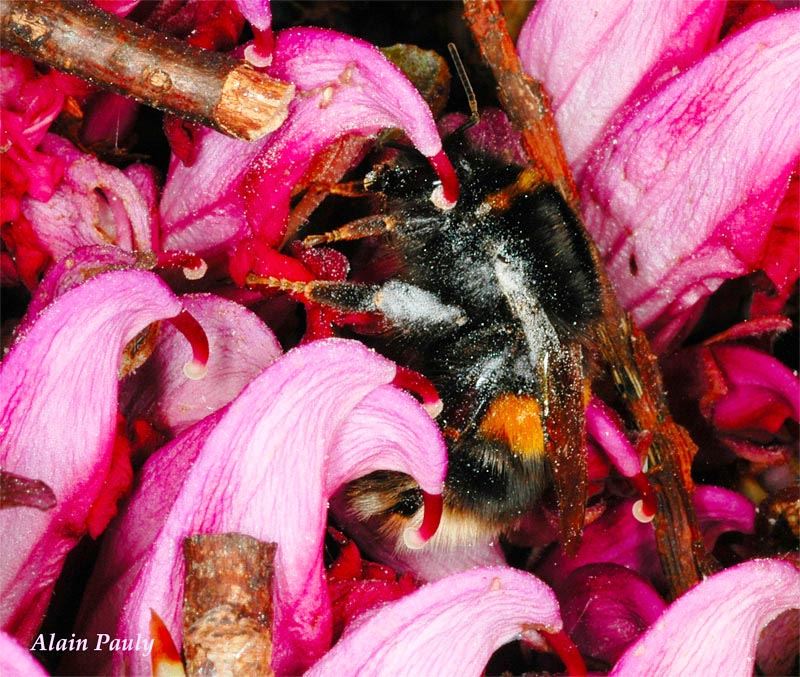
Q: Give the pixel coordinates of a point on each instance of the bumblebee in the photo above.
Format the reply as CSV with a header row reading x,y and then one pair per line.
x,y
495,302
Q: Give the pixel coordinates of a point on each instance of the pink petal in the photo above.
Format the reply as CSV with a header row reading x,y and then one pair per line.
x,y
16,660
683,195
355,451
347,86
450,627
259,467
240,347
144,178
605,427
72,271
721,510
606,607
713,629
201,209
747,367
94,204
356,444
58,430
118,7
257,12
592,58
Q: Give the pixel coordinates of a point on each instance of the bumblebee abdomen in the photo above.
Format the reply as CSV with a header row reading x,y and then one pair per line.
x,y
500,470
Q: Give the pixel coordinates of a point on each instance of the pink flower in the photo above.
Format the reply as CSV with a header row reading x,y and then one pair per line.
x,y
450,627
735,604
682,148
345,85
94,204
606,607
240,347
620,538
55,429
682,161
16,660
265,465
734,396
29,102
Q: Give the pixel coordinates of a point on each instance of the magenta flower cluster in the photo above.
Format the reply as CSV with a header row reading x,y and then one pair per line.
x,y
680,123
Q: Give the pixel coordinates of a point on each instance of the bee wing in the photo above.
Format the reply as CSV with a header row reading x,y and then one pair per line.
x,y
566,439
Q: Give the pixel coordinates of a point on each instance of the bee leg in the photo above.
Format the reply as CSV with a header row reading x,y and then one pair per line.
x,y
396,303
342,189
355,230
403,306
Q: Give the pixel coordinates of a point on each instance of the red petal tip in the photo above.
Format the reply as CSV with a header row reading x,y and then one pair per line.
x,y
415,539
446,195
567,652
645,508
187,325
194,267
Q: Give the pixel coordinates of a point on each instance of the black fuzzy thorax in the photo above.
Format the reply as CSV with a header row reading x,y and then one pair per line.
x,y
454,255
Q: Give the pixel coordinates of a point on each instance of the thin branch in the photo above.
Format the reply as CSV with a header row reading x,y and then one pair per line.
x,y
158,70
524,99
227,605
623,346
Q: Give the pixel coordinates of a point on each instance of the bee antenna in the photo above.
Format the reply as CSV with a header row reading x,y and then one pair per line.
x,y
472,100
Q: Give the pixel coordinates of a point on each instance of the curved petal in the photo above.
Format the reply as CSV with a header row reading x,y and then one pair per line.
x,y
682,197
258,467
356,452
345,85
257,12
357,447
57,430
721,510
592,58
449,627
240,347
72,271
16,660
605,427
201,209
734,604
751,369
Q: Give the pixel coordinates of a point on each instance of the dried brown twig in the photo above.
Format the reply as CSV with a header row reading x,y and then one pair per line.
x,y
623,346
227,605
203,86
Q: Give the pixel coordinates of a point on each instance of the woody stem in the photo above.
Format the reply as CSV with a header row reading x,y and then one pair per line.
x,y
158,70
